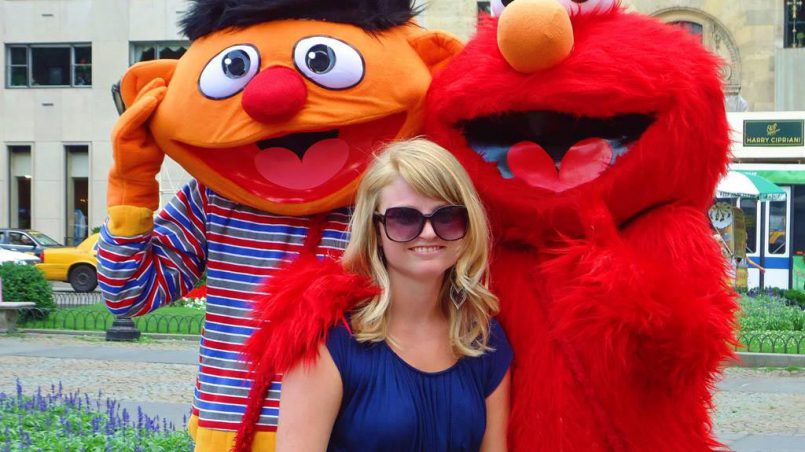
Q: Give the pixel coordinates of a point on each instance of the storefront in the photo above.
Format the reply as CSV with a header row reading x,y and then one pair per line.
x,y
770,145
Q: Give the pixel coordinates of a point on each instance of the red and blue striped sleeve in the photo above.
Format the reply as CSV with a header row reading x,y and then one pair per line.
x,y
139,274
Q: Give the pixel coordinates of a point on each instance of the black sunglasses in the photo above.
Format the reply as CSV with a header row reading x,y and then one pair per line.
x,y
403,224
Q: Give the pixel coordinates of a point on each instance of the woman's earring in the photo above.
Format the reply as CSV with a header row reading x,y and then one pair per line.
x,y
457,295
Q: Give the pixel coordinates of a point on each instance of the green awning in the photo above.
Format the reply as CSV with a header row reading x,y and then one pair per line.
x,y
782,177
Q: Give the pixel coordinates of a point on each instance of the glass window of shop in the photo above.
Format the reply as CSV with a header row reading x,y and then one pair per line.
x,y
19,186
77,190
160,50
778,228
750,210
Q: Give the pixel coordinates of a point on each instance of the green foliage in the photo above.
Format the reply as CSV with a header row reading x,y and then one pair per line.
x,y
168,319
26,283
58,421
95,230
763,312
795,298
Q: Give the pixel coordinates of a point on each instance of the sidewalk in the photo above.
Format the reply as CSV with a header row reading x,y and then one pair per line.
x,y
757,410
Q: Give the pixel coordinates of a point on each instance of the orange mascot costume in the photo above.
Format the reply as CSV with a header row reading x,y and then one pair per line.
x,y
275,111
596,138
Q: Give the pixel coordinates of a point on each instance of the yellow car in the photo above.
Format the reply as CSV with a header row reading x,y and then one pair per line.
x,y
73,264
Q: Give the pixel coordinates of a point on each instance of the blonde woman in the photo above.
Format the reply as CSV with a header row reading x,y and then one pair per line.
x,y
421,364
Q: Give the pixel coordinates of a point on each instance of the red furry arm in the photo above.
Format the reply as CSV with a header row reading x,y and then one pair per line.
x,y
307,299
654,294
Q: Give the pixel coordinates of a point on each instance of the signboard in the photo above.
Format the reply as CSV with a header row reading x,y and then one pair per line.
x,y
779,133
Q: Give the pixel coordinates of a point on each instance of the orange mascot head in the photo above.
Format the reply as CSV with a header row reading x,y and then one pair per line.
x,y
279,104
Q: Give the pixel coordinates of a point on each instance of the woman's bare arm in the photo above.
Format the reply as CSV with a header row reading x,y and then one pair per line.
x,y
309,403
497,417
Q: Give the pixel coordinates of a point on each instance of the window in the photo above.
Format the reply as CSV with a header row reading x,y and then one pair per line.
x,y
778,223
484,7
147,51
794,23
19,189
749,208
693,28
49,65
77,189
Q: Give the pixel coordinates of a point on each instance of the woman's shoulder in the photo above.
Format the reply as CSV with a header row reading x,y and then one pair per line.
x,y
497,360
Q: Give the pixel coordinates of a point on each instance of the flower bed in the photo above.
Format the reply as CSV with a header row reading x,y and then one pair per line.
x,y
58,421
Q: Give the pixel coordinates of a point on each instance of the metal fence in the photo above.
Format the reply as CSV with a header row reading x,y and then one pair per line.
x,y
96,320
76,299
788,342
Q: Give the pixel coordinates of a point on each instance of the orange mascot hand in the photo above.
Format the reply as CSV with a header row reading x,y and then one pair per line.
x,y
133,189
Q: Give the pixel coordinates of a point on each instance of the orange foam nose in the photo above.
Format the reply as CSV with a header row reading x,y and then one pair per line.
x,y
534,35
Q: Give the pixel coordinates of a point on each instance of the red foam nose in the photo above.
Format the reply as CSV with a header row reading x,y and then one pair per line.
x,y
275,94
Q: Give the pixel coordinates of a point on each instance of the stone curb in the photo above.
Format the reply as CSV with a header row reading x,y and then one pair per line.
x,y
767,360
744,359
157,336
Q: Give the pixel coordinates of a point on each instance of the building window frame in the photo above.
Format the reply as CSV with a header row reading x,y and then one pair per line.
x,y
71,150
158,46
794,24
29,84
11,180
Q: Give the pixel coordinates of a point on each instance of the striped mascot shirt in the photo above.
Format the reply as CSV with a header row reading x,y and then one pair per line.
x,y
239,247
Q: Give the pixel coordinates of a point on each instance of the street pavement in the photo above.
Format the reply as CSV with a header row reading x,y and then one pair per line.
x,y
757,410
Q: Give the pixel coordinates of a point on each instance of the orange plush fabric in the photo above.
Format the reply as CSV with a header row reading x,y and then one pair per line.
x,y
232,147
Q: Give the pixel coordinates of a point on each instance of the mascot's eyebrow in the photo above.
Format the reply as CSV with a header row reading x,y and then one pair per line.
x,y
208,16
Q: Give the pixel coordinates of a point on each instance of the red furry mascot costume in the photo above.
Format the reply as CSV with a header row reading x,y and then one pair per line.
x,y
596,138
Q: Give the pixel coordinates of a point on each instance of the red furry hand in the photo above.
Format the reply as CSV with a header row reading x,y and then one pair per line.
x,y
137,158
598,223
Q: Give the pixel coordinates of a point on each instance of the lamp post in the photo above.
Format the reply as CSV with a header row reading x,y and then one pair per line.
x,y
123,330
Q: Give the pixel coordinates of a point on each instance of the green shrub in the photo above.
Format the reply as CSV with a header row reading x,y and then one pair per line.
x,y
26,283
765,312
795,298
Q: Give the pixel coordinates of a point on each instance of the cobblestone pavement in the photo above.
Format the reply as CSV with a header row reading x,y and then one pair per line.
x,y
756,409
122,380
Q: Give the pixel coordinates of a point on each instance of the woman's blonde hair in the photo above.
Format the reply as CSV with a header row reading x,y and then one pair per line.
x,y
434,172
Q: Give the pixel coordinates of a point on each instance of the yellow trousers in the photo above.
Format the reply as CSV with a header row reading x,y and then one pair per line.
x,y
211,440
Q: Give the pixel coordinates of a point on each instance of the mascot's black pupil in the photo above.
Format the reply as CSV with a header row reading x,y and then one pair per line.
x,y
506,2
320,59
236,63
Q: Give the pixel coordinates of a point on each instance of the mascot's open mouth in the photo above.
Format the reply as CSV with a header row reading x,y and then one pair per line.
x,y
301,167
551,150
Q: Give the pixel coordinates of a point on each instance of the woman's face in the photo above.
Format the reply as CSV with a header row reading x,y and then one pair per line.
x,y
425,257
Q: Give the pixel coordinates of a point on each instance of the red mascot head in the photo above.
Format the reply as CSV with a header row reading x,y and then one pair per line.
x,y
557,104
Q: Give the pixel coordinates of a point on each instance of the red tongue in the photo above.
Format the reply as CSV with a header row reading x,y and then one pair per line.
x,y
321,162
585,161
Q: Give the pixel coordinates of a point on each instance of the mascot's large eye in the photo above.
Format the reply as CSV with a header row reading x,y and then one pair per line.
x,y
229,72
575,7
497,6
329,62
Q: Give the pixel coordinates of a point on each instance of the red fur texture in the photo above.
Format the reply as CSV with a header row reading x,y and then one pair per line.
x,y
613,293
308,297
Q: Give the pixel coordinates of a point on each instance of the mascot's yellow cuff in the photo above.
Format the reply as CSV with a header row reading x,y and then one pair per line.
x,y
128,221
210,440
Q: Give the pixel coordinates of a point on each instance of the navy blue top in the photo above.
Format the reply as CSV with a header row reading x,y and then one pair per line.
x,y
388,405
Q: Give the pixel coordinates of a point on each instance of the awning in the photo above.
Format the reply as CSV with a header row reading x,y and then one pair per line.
x,y
740,184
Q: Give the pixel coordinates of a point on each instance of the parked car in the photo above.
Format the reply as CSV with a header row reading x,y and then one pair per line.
x,y
74,264
17,258
26,241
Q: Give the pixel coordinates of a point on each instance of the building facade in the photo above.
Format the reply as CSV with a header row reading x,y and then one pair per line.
x,y
61,59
